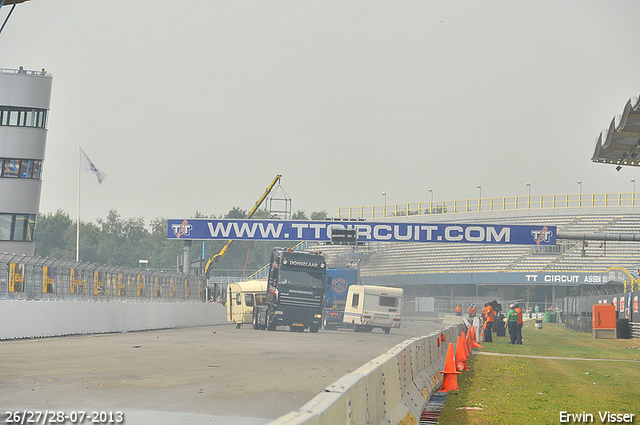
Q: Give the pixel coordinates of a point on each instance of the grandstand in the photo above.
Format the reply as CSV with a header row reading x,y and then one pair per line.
x,y
474,272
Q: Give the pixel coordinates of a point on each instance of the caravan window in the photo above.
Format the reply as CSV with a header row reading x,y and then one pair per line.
x,y
248,300
355,300
238,299
388,301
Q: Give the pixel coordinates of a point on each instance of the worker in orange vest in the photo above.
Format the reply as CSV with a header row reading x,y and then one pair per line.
x,y
458,310
520,322
490,313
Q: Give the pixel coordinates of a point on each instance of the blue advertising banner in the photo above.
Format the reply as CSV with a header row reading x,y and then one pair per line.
x,y
320,231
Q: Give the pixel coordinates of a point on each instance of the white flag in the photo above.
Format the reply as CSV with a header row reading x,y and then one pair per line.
x,y
89,167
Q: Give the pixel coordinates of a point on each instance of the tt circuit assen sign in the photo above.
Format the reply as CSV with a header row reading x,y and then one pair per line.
x,y
320,231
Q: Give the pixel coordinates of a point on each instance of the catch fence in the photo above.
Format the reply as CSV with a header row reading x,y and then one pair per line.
x,y
577,311
36,278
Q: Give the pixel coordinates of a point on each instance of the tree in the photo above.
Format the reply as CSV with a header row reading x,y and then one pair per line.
x,y
319,215
236,212
52,235
299,215
121,240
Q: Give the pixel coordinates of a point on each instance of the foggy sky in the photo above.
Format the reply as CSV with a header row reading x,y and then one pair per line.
x,y
197,105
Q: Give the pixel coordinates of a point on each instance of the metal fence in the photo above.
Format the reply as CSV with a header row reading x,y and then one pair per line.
x,y
626,304
492,204
36,278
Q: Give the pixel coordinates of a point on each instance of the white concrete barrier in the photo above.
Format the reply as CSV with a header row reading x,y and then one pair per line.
x,y
26,319
451,319
393,388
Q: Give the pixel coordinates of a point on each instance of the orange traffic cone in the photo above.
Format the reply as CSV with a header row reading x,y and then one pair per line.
x,y
461,355
468,341
450,380
474,343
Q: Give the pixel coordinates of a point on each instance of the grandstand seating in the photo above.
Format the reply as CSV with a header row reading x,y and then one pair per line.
x,y
380,259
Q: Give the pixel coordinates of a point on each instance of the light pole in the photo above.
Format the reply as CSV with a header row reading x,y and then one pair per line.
x,y
480,197
528,199
580,198
529,187
431,206
633,195
384,210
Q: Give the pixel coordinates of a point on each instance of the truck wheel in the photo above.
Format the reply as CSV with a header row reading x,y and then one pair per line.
x,y
270,325
292,328
368,328
356,328
313,329
256,325
324,324
386,330
238,325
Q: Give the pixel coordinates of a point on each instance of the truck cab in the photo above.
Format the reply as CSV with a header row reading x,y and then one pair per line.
x,y
295,292
371,307
242,297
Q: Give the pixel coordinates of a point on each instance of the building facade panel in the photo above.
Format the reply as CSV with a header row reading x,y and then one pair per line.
x,y
25,90
22,142
20,196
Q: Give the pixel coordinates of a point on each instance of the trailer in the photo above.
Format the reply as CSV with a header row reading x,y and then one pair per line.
x,y
371,307
242,298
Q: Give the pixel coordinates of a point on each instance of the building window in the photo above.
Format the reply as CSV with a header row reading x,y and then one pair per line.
x,y
21,168
17,227
23,117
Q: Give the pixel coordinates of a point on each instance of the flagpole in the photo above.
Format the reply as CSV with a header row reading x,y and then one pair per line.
x,y
78,208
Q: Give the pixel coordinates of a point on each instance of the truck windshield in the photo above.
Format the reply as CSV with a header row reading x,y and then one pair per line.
x,y
301,279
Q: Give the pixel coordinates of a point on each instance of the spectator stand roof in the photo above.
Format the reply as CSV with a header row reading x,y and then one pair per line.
x,y
620,144
11,2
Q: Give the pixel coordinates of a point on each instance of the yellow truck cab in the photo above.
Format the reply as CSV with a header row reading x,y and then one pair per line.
x,y
242,297
369,307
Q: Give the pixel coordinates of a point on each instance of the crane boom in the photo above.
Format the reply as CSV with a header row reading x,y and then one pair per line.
x,y
218,257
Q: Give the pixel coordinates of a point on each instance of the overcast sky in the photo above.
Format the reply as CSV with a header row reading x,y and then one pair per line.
x,y
197,105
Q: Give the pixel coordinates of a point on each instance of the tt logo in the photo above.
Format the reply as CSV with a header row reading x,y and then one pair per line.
x,y
182,229
542,235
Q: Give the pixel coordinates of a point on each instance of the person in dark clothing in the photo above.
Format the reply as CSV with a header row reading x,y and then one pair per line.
x,y
512,324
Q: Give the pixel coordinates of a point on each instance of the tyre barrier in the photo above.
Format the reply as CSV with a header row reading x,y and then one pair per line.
x,y
393,388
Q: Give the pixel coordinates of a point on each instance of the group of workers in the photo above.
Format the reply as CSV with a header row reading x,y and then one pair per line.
x,y
514,320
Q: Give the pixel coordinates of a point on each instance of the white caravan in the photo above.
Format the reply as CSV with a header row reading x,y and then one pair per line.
x,y
242,297
369,307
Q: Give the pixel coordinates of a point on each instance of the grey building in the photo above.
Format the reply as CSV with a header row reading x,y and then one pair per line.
x,y
24,108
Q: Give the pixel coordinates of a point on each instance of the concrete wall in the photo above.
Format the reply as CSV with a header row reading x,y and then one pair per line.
x,y
391,389
26,319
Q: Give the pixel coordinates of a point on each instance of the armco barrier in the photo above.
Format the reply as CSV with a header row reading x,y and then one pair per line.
x,y
393,388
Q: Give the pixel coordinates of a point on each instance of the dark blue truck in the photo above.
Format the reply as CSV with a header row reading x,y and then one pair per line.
x,y
335,296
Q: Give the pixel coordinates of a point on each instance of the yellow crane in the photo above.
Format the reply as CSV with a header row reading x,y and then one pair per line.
x,y
218,257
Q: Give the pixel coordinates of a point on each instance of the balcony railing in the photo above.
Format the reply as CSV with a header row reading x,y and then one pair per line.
x,y
493,204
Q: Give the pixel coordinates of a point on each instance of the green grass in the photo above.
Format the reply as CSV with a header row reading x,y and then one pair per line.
x,y
517,390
